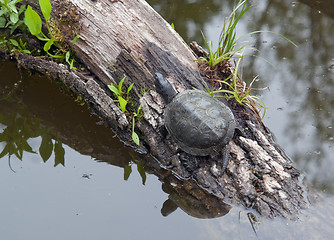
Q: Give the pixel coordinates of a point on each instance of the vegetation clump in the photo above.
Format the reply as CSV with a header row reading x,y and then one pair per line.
x,y
10,15
225,61
34,24
123,98
227,44
26,19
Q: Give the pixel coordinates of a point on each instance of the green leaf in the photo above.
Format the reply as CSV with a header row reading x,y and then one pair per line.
x,y
122,103
5,151
33,21
141,171
113,89
22,8
59,154
14,17
14,42
67,56
120,85
18,151
48,45
75,39
26,51
127,172
55,56
72,64
135,138
129,89
3,10
138,112
26,147
46,8
45,150
3,137
12,6
2,22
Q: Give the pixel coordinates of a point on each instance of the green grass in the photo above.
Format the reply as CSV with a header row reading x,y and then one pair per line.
x,y
228,43
238,90
229,48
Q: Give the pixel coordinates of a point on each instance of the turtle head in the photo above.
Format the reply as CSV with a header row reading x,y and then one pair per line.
x,y
164,88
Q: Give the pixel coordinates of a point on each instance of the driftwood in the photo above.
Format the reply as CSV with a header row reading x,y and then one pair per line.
x,y
128,38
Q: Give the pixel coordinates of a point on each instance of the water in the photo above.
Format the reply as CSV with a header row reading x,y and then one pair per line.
x,y
88,198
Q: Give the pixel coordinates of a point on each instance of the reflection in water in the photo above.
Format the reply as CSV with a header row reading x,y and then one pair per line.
x,y
33,106
20,127
207,207
323,6
189,17
308,80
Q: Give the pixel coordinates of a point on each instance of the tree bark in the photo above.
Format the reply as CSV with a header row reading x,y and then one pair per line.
x,y
128,38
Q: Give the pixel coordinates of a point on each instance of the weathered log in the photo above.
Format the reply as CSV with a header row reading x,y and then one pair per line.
x,y
128,38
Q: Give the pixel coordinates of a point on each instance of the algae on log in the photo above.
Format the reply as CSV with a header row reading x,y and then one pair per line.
x,y
128,38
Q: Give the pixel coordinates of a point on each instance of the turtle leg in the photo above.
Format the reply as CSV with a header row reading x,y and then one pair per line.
x,y
189,162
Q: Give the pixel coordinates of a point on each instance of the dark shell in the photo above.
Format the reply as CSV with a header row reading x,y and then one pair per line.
x,y
199,123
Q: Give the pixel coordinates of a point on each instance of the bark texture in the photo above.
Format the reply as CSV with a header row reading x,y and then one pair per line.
x,y
128,38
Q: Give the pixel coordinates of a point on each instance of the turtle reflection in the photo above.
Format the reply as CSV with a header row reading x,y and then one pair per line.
x,y
198,204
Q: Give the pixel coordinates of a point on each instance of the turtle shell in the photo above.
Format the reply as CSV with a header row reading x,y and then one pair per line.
x,y
199,123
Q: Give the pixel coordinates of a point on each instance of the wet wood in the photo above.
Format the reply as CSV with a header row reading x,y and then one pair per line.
x,y
128,38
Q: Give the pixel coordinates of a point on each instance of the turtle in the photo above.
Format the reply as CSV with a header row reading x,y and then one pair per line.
x,y
198,123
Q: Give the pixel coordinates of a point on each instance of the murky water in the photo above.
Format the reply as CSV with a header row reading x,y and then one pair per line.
x,y
80,193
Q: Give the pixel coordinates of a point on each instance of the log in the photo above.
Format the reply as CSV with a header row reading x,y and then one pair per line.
x,y
128,38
